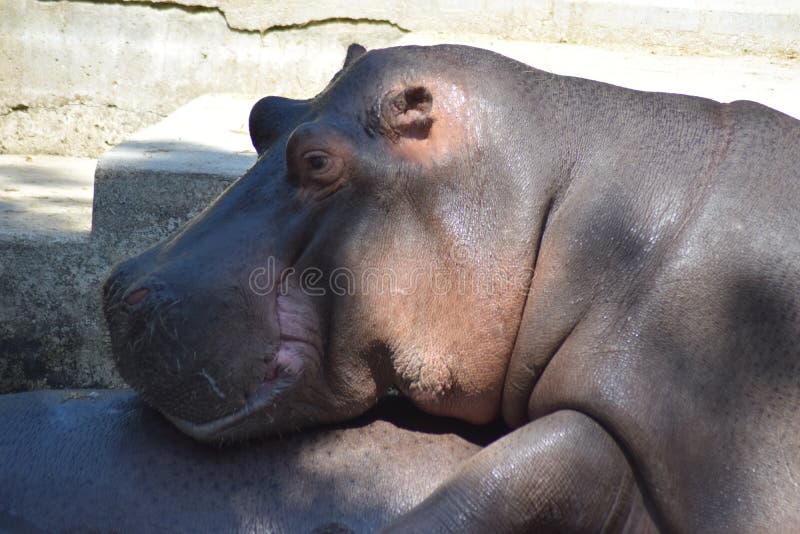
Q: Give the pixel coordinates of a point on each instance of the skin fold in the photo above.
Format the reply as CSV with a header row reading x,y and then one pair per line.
x,y
615,273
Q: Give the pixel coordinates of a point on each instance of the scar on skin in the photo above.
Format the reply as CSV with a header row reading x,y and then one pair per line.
x,y
212,383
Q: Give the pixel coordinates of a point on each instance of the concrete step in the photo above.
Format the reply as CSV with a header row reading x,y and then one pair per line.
x,y
45,197
162,176
47,273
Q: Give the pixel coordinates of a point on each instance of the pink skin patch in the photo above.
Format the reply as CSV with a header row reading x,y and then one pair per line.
x,y
300,338
137,296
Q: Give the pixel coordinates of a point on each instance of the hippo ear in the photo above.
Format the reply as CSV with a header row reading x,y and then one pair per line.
x,y
407,112
354,51
271,117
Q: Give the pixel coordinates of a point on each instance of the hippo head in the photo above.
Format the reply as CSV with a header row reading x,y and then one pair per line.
x,y
383,239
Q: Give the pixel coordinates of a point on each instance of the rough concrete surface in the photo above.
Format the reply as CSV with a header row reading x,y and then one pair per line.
x,y
46,196
78,77
768,26
50,329
49,332
74,125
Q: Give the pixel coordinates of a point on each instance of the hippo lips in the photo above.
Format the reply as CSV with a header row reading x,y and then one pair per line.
x,y
299,341
299,338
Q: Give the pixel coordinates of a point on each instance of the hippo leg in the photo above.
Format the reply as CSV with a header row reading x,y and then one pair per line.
x,y
560,473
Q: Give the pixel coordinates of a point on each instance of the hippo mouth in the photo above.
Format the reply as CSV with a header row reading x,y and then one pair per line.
x,y
299,345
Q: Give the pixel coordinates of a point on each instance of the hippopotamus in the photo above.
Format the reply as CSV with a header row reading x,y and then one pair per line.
x,y
102,461
615,273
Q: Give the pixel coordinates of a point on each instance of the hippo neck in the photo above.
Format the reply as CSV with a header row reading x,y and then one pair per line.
x,y
615,209
520,189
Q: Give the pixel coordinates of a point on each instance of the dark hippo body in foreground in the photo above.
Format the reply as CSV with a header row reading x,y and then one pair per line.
x,y
615,273
84,461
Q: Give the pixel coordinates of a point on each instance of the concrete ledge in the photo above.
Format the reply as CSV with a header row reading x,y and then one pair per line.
x,y
49,333
45,197
165,174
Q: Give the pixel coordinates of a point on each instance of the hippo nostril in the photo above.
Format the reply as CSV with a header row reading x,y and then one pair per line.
x,y
137,296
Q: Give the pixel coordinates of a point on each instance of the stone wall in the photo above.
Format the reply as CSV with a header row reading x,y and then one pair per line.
x,y
78,76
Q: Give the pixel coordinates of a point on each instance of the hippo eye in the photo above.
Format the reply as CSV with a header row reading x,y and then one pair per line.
x,y
316,161
322,167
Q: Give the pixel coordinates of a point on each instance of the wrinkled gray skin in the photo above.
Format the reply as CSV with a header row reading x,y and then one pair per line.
x,y
101,461
645,323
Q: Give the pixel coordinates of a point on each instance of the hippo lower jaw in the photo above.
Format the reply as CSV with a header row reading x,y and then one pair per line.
x,y
299,346
265,395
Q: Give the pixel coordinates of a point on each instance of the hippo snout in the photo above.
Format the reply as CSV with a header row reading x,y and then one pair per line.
x,y
122,292
180,341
